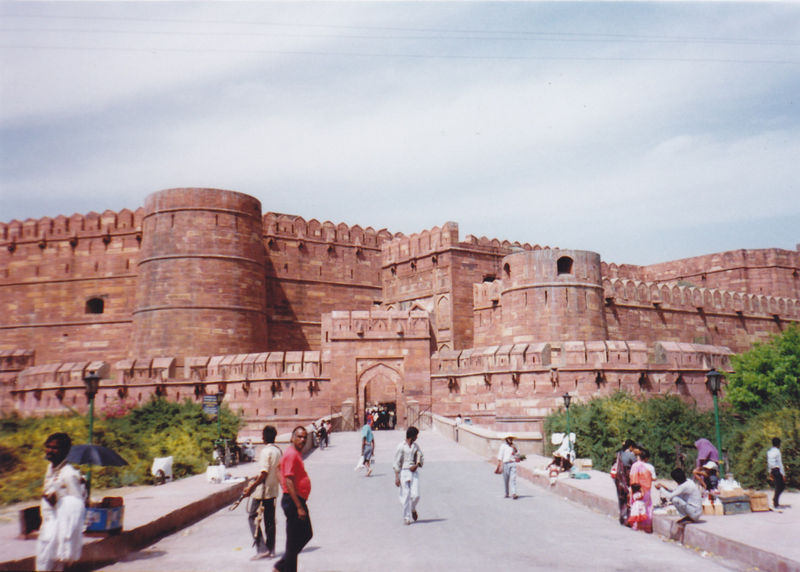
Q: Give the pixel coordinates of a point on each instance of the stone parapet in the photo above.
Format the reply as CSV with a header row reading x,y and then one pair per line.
x,y
293,226
673,296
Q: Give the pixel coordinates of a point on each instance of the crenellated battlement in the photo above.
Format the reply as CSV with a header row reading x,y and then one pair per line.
x,y
629,271
378,324
291,226
77,226
721,261
503,245
16,360
768,271
673,296
593,356
428,242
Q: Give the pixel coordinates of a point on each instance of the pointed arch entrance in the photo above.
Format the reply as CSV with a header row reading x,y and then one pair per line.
x,y
381,384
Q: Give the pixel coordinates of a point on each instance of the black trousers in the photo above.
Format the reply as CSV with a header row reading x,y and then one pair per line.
x,y
777,479
298,533
263,544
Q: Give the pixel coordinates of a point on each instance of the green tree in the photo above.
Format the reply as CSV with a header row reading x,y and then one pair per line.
x,y
767,377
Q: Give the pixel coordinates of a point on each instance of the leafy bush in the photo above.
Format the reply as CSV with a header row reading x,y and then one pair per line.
x,y
156,429
659,423
768,376
749,447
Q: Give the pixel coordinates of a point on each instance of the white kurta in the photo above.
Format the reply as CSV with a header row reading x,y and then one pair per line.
x,y
61,534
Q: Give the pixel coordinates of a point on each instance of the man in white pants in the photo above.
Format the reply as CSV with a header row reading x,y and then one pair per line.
x,y
60,539
407,459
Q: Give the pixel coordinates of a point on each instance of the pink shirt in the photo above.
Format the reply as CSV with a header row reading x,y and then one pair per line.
x,y
292,466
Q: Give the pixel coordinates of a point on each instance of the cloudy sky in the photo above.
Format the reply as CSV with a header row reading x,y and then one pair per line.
x,y
646,132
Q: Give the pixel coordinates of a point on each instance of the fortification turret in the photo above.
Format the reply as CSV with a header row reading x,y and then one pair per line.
x,y
201,287
552,295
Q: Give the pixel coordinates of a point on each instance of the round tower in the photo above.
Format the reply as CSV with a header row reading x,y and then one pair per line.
x,y
201,285
552,295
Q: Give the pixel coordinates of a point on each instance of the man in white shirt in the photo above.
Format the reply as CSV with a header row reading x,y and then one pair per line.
x,y
407,459
507,459
261,513
60,540
686,497
777,474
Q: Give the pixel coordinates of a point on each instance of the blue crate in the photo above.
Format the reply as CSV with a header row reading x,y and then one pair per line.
x,y
104,519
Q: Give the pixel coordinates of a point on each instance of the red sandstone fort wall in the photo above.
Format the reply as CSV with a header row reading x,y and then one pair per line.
x,y
314,268
432,270
769,271
506,386
200,288
51,268
651,312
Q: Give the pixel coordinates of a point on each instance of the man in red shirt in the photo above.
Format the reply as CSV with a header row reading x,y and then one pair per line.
x,y
296,487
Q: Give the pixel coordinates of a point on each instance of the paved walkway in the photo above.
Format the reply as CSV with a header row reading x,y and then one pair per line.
x,y
464,524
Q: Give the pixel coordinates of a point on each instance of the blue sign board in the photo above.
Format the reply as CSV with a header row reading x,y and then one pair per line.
x,y
210,405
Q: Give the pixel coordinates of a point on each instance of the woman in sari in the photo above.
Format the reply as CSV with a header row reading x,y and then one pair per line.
x,y
643,474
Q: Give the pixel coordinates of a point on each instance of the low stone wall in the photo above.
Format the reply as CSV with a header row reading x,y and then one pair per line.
x,y
484,441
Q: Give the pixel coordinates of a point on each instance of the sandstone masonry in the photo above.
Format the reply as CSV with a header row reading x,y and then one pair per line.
x,y
197,293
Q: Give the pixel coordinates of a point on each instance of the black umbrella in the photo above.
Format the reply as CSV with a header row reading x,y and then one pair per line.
x,y
95,455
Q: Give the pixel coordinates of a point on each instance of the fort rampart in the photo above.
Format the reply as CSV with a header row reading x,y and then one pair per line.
x,y
314,268
199,293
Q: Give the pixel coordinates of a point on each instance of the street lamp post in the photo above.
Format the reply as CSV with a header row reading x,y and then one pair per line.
x,y
92,382
220,397
567,400
714,384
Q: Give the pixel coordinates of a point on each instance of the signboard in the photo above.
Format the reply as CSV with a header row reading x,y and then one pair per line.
x,y
210,405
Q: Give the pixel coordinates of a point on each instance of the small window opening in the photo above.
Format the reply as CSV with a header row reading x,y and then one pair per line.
x,y
564,265
507,270
95,306
489,278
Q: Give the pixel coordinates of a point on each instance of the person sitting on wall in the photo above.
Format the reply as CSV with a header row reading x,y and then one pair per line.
x,y
707,477
563,458
686,497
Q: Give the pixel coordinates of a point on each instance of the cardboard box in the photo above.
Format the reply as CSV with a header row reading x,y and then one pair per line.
x,y
759,502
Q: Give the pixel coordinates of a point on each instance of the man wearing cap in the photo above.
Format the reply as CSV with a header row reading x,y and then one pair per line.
x,y
707,476
507,459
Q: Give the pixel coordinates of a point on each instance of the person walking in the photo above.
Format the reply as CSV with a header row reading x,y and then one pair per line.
x,y
296,486
408,459
507,459
367,446
63,510
620,472
261,510
777,474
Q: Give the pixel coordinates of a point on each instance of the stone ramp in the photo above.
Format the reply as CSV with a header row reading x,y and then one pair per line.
x,y
765,540
150,513
453,477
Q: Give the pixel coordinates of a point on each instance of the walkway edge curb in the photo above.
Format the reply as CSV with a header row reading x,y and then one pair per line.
x,y
691,536
113,548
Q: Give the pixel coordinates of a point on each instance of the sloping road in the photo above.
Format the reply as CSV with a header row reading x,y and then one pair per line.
x,y
465,524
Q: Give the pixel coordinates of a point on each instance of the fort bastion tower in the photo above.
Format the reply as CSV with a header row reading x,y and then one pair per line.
x,y
201,275
552,294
